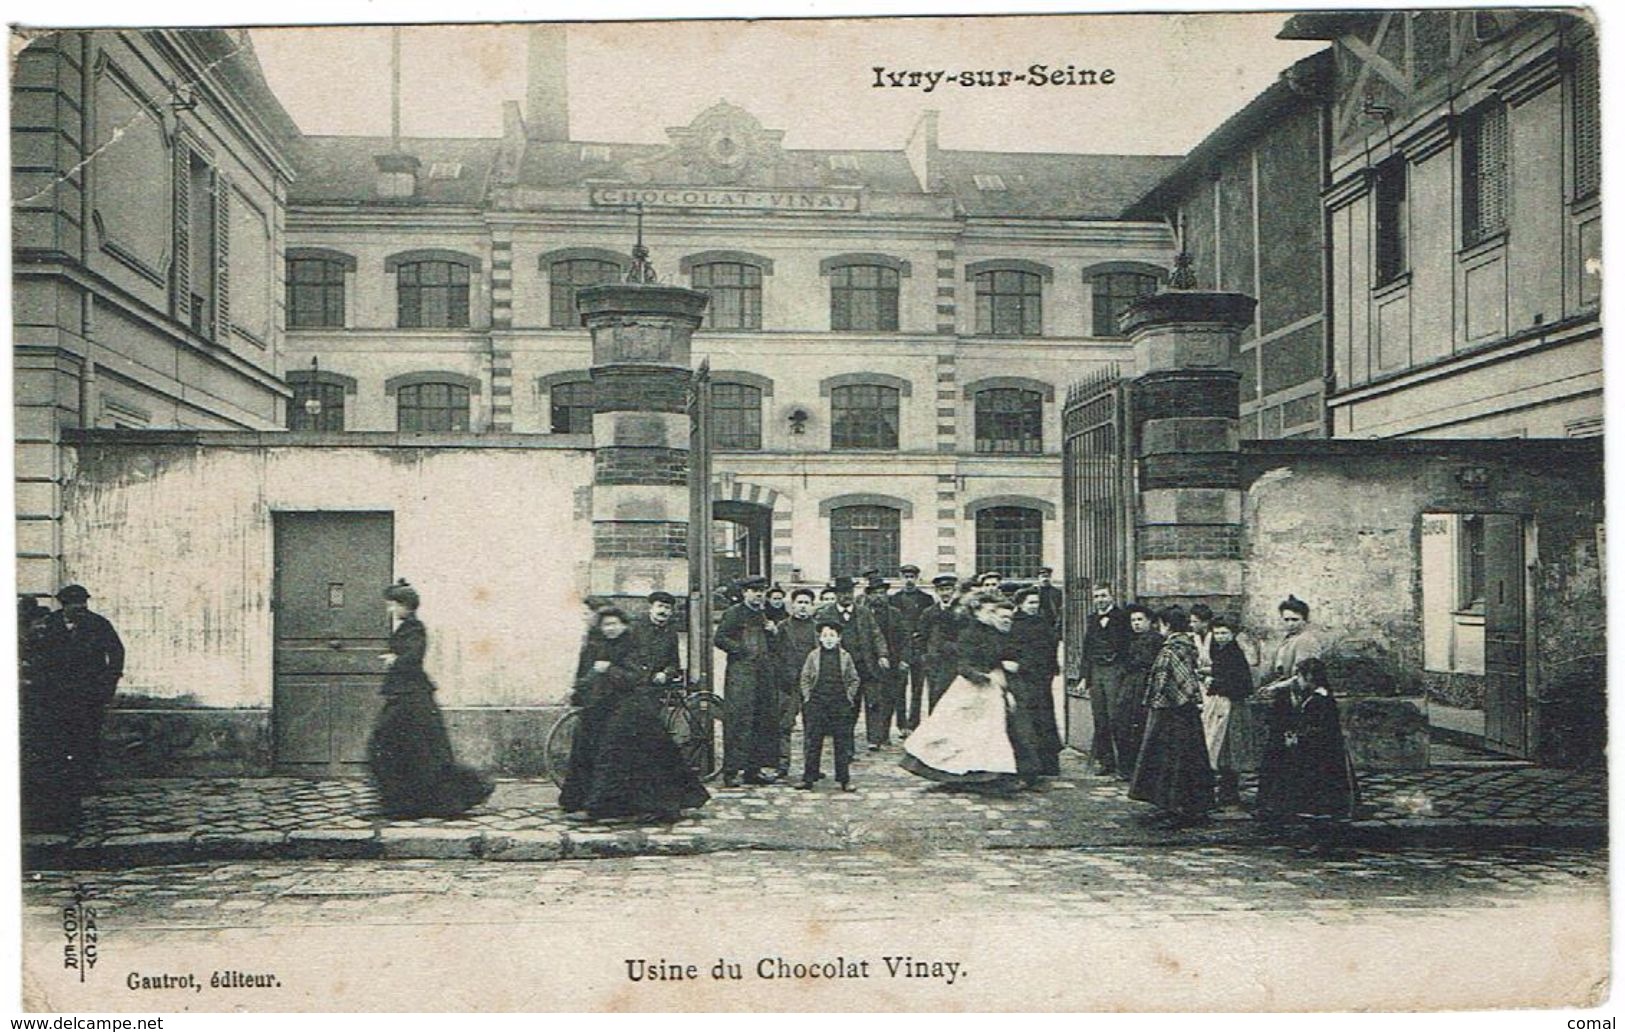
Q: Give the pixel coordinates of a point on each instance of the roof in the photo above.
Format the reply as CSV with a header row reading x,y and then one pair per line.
x,y
1295,89
342,170
1063,186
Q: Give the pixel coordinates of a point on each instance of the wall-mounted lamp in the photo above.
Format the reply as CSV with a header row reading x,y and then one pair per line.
x,y
798,421
313,403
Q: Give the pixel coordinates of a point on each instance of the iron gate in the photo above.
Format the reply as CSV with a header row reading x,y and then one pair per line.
x,y
1096,497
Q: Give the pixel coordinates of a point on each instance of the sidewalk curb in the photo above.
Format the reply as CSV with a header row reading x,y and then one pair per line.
x,y
389,842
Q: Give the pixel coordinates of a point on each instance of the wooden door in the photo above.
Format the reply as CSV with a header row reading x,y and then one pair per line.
x,y
1505,635
331,626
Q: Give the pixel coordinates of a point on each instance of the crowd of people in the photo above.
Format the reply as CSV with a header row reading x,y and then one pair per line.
x,y
964,674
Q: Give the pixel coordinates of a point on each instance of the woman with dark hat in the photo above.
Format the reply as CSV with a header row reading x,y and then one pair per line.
x,y
1033,636
410,752
622,762
966,737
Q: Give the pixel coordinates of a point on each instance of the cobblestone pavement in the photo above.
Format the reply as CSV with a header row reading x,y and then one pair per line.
x,y
160,821
1200,927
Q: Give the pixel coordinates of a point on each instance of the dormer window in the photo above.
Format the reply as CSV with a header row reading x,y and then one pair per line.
x,y
989,181
594,152
446,170
843,162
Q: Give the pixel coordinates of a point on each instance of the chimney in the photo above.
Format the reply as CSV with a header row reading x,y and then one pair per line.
x,y
547,99
921,150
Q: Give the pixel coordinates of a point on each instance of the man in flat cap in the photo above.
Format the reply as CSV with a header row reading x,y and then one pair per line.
x,y
81,660
750,738
910,602
654,640
1049,598
939,630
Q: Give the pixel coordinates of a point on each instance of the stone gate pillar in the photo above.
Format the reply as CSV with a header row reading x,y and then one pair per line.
x,y
641,336
1186,406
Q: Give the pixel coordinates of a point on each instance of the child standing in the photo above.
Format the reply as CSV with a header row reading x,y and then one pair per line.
x,y
829,688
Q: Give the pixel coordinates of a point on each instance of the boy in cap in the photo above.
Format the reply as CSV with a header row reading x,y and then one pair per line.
x,y
829,692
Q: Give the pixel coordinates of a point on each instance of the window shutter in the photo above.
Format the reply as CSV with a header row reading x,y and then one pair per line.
x,y
222,259
1587,124
181,264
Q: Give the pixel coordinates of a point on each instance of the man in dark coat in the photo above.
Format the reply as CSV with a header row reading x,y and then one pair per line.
x,y
1049,599
80,660
910,602
861,637
1105,650
654,640
796,639
750,738
885,702
939,629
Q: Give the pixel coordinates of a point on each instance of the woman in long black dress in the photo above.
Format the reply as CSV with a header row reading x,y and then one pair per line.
x,y
1173,772
409,751
1033,635
622,762
1305,770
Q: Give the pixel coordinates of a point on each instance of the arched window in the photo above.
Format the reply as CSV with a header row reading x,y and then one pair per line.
x,y
432,294
1009,419
570,407
1010,539
736,294
1113,293
864,537
863,416
329,399
566,277
431,406
863,297
736,417
315,293
1009,303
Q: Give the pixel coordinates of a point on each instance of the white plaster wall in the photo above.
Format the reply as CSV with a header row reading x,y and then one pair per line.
x,y
175,545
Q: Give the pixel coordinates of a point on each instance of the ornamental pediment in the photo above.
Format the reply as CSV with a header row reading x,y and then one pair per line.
x,y
725,145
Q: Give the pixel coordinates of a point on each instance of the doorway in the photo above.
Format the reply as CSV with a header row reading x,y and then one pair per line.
x,y
330,627
742,541
1475,629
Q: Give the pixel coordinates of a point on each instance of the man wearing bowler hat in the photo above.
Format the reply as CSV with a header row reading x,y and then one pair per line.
x,y
860,636
81,661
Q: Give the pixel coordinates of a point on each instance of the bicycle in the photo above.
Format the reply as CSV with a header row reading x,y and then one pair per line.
x,y
693,718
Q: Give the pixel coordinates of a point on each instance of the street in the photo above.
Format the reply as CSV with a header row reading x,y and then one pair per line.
x,y
1201,927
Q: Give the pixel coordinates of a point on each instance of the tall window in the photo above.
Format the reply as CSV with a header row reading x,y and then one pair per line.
x,y
736,416
863,297
203,242
1009,419
1009,303
1484,173
571,407
863,416
432,295
1393,227
565,278
1470,565
330,396
1010,539
864,537
1587,124
736,295
315,293
1113,293
432,406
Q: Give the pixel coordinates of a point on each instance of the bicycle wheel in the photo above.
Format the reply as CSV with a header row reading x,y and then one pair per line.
x,y
556,747
695,724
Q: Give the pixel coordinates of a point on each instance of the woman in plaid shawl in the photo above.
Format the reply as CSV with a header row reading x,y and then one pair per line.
x,y
1173,772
